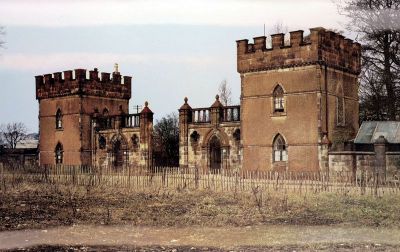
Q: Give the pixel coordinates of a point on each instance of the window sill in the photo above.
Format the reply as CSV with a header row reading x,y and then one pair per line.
x,y
340,126
59,129
278,114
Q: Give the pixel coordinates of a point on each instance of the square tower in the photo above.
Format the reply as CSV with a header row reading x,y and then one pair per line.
x,y
297,99
67,103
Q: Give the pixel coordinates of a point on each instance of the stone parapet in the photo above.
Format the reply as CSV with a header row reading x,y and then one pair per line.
x,y
76,83
323,47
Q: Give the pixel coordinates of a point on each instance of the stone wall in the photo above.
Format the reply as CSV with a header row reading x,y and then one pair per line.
x,y
393,163
78,98
319,79
352,161
199,151
210,138
132,135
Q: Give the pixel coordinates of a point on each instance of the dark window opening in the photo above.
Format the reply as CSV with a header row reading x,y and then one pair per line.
x,y
102,142
59,117
215,154
194,137
59,153
105,112
236,135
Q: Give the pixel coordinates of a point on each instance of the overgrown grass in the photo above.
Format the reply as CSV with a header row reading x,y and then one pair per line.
x,y
45,205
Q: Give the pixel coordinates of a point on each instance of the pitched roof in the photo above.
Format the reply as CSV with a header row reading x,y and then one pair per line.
x,y
370,131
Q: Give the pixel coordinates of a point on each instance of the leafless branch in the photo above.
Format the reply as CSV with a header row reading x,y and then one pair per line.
x,y
13,133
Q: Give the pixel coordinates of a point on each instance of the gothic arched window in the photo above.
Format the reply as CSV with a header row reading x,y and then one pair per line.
x,y
279,99
135,141
102,142
340,113
280,149
105,112
59,152
59,122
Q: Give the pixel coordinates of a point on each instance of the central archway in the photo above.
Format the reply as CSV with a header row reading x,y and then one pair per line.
x,y
215,154
119,152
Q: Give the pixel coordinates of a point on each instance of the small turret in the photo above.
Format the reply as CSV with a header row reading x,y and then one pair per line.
x,y
217,103
185,106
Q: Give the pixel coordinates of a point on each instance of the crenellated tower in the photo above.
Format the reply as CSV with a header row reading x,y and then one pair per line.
x,y
299,98
321,47
67,102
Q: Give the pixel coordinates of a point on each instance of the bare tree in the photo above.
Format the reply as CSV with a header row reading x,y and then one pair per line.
x,y
279,27
166,141
13,133
225,93
2,33
377,25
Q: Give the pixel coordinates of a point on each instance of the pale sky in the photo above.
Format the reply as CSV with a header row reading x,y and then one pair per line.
x,y
171,48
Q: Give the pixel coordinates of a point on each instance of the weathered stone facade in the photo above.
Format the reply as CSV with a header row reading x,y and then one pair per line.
x,y
86,121
296,99
210,137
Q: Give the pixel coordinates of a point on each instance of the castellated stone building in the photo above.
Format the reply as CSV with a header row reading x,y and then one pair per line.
x,y
298,100
85,120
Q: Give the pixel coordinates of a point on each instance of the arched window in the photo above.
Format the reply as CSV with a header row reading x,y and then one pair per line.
x,y
135,141
102,142
236,135
215,154
59,123
59,153
119,151
340,115
194,137
105,112
280,149
279,99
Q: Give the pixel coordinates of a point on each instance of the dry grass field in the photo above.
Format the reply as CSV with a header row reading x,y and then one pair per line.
x,y
39,205
159,200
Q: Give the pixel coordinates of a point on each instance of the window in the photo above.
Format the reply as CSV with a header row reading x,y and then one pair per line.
x,y
340,118
59,123
135,141
194,137
105,112
279,99
236,135
280,149
59,153
102,142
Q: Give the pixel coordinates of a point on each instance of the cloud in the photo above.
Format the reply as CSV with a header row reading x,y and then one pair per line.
x,y
201,12
52,62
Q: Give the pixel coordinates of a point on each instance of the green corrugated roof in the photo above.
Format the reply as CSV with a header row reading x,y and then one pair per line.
x,y
370,131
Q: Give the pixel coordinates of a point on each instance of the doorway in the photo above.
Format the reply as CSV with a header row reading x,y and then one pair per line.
x,y
215,154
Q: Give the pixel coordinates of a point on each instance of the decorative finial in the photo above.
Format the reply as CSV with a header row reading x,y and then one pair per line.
x,y
116,70
217,97
146,104
186,100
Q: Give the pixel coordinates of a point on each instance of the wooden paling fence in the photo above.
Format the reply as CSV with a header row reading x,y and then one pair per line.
x,y
220,180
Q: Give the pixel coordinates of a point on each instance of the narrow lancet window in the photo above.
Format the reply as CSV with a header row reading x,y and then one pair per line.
x,y
279,99
280,149
59,153
59,117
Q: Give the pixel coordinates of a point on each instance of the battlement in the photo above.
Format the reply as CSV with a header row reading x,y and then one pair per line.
x,y
82,82
322,47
